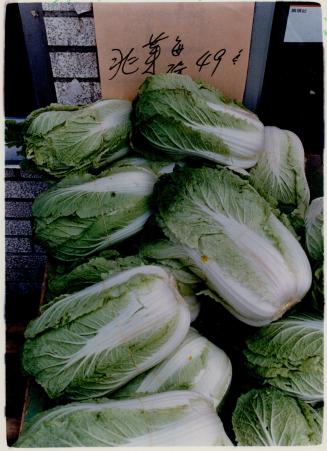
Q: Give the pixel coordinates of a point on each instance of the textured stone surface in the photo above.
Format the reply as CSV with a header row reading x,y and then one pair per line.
x,y
60,6
24,190
30,175
84,7
11,173
18,246
79,7
26,262
18,227
74,65
18,209
77,92
17,173
70,31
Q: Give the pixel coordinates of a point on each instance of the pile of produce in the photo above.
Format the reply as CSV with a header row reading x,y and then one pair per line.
x,y
179,208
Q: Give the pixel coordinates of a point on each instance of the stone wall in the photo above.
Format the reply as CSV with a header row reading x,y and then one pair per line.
x,y
72,49
25,260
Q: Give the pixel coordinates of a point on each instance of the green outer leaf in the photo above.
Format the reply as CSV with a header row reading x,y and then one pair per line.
x,y
62,140
94,341
183,118
314,224
280,171
268,417
85,214
230,235
168,419
92,271
288,354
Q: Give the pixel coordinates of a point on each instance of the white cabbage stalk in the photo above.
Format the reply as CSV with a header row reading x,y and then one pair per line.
x,y
90,343
176,418
197,365
280,172
231,238
194,306
314,224
162,252
177,116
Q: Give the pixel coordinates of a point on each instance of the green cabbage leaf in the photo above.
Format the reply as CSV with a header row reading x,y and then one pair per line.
x,y
197,365
288,354
63,140
176,418
82,215
279,175
174,115
90,343
230,236
268,417
314,226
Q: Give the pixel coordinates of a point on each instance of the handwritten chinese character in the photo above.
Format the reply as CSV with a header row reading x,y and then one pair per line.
x,y
154,52
123,63
178,47
176,68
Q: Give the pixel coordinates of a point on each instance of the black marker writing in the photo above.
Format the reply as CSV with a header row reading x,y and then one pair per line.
x,y
176,68
123,63
218,57
235,59
154,52
178,47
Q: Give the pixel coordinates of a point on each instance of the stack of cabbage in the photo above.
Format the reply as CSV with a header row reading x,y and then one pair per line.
x,y
114,336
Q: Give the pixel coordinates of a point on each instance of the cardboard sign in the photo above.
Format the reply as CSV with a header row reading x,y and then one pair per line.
x,y
208,41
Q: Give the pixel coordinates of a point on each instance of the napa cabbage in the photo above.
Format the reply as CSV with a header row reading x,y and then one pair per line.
x,y
288,354
314,223
62,139
179,117
82,215
197,365
230,236
279,175
176,418
90,343
269,417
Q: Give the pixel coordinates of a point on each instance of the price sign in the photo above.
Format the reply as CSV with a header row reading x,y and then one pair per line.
x,y
208,41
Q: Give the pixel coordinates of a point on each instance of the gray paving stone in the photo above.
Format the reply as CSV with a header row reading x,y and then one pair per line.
x,y
18,246
77,92
24,190
70,31
18,227
12,173
58,6
74,64
18,209
25,261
